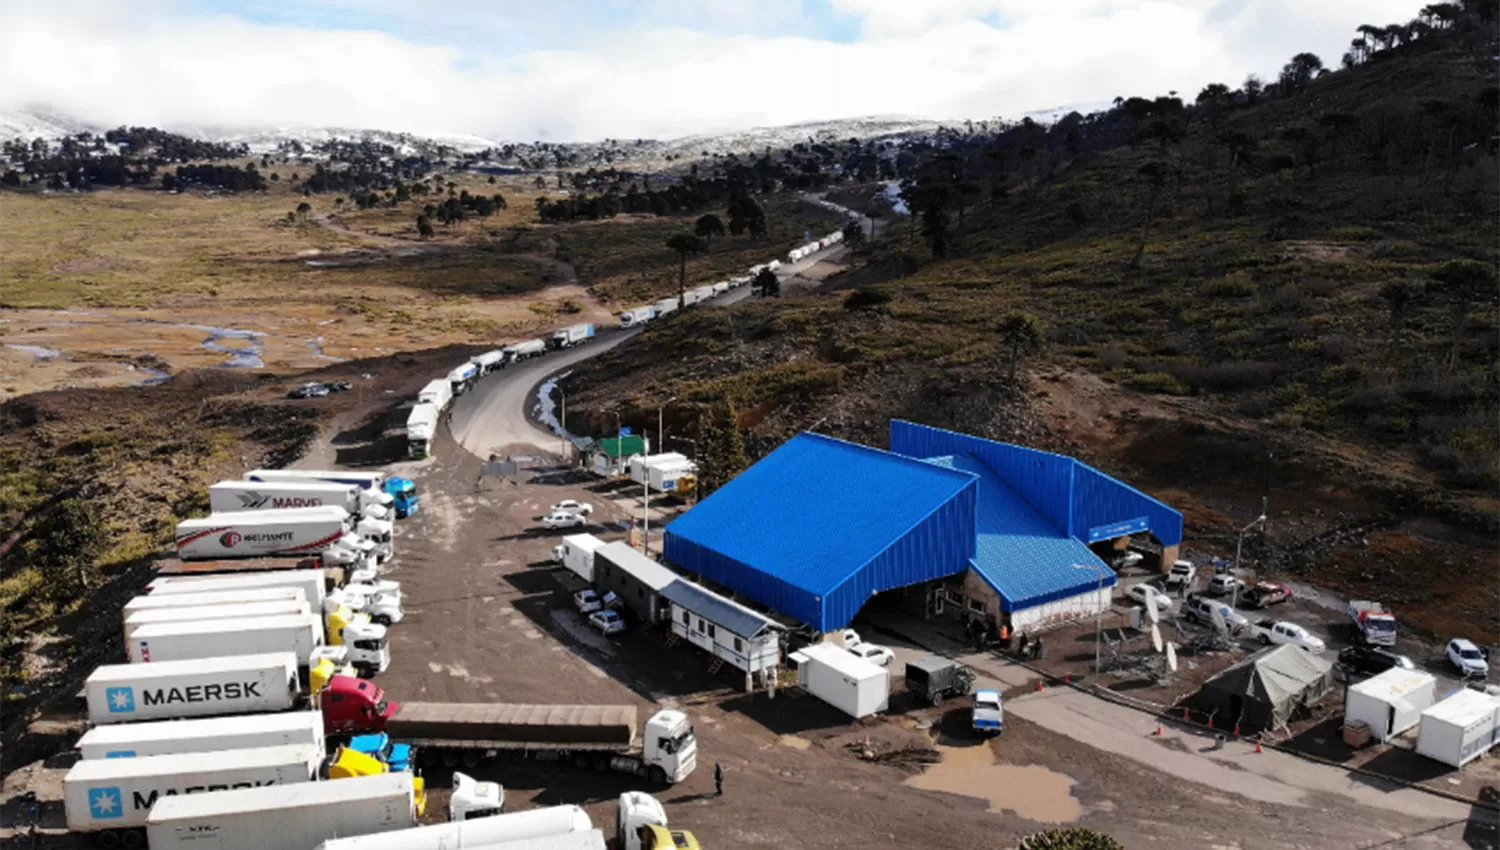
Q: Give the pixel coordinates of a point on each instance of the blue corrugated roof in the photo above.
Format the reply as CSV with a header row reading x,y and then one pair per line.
x,y
819,520
1023,556
726,613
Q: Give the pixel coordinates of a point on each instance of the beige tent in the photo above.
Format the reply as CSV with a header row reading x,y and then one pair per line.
x,y
1266,690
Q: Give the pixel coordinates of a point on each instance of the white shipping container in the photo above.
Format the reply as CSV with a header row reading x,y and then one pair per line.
x,y
241,496
721,287
1460,729
154,602
578,554
235,611
479,832
1391,702
664,477
311,583
296,633
102,794
235,684
165,737
665,306
835,676
639,463
284,817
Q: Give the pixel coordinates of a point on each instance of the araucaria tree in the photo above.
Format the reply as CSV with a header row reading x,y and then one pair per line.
x,y
1155,175
721,449
708,226
684,244
1021,335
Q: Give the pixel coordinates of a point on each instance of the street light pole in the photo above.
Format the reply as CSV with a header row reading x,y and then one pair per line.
x,y
1098,617
1239,545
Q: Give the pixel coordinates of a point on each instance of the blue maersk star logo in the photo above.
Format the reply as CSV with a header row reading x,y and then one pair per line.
x,y
104,804
120,700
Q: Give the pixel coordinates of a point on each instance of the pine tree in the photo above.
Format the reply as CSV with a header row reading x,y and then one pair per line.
x,y
721,449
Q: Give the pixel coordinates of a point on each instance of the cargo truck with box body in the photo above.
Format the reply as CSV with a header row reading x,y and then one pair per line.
x,y
421,428
114,795
603,737
834,675
202,735
285,817
573,335
236,496
437,392
1375,624
236,611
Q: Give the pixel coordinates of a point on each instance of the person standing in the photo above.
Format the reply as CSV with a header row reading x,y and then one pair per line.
x,y
718,779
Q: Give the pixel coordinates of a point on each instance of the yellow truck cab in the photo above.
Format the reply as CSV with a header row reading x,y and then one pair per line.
x,y
346,763
655,837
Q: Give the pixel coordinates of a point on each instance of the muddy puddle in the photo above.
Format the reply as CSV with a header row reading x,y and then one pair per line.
x,y
1031,791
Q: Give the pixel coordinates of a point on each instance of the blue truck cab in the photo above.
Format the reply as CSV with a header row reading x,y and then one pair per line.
x,y
989,715
404,491
379,745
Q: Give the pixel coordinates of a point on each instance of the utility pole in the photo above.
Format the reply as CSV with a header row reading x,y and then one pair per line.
x,y
1098,618
1234,594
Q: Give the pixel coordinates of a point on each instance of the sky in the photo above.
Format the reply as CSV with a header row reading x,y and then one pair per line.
x,y
575,70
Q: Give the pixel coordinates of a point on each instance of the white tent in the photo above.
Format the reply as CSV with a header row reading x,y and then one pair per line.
x,y
1390,703
1461,728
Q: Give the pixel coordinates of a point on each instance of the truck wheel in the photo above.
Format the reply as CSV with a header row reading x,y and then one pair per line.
x,y
581,760
382,619
601,763
1265,640
109,839
450,759
133,839
470,759
657,775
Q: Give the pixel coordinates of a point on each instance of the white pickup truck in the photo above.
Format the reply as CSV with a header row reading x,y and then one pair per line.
x,y
1181,575
1280,631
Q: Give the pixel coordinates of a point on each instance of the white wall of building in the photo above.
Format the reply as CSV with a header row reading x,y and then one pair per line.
x,y
748,655
1060,611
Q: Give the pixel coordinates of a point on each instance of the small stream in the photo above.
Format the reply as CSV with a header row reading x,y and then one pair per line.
x,y
317,349
235,357
547,408
40,352
893,193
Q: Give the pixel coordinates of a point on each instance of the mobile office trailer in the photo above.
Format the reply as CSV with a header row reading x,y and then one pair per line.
x,y
1460,729
438,393
203,735
576,552
462,377
525,350
285,817
152,602
108,795
300,634
203,687
640,463
487,832
311,583
835,676
421,428
1391,702
637,316
665,306
671,477
234,611
489,361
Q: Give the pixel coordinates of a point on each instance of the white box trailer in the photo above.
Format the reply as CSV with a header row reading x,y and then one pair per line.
x,y
233,611
256,534
637,316
489,361
203,687
155,602
311,583
721,287
113,794
208,734
576,552
1391,702
300,634
835,676
438,393
1460,729
285,817
666,305
501,830
362,480
242,495
573,335
421,428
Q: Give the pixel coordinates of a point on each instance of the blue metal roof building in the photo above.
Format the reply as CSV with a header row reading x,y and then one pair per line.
x,y
820,525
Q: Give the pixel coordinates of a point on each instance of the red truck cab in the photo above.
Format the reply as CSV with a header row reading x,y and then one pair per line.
x,y
351,704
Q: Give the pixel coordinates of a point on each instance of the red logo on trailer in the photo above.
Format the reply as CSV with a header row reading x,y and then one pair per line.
x,y
230,539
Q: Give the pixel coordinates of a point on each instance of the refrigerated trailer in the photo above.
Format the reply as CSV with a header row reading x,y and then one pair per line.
x,y
257,534
236,496
154,602
233,611
421,428
573,335
111,795
637,316
239,683
208,734
285,817
312,584
438,393
484,832
300,634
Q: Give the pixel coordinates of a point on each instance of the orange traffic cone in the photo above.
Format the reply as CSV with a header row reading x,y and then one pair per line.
x,y
1257,746
1186,715
1236,730
1039,685
1068,677
1158,730
1210,721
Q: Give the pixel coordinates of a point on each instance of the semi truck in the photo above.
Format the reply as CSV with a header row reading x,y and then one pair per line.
x,y
202,735
381,600
438,393
421,428
202,687
403,491
296,633
637,316
525,350
462,377
665,306
1375,624
111,796
256,534
297,816
152,602
311,584
489,361
236,496
234,611
573,335
603,737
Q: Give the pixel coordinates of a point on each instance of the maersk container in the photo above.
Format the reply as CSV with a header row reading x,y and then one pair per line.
x,y
285,817
204,687
494,831
300,634
154,602
312,584
836,676
102,795
438,393
202,735
236,611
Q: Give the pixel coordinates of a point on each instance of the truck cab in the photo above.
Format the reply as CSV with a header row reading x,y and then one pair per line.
x,y
347,763
351,705
381,600
380,746
403,492
641,824
473,799
988,713
670,748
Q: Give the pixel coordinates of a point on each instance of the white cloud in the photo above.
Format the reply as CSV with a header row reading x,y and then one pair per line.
x,y
147,64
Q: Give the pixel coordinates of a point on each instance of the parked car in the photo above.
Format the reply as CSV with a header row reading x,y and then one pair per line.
x,y
1266,594
587,601
1468,658
1222,584
873,653
339,386
1139,592
1371,660
608,621
1126,560
573,506
1200,609
1182,574
309,391
560,519
987,715
1280,631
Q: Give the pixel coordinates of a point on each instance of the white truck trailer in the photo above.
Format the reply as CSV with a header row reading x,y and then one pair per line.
x,y
152,602
834,675
233,611
637,316
208,734
296,633
421,429
202,687
112,795
525,350
438,393
462,377
665,306
259,534
573,335
312,584
236,496
489,361
721,287
576,552
285,817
